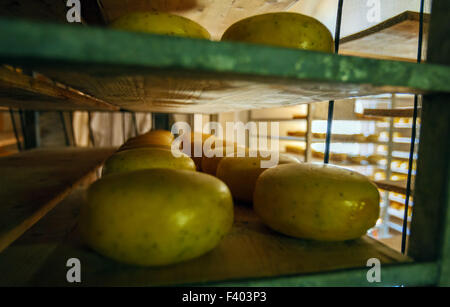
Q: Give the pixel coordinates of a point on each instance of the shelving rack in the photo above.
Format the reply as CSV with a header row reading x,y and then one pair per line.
x,y
157,73
391,216
392,143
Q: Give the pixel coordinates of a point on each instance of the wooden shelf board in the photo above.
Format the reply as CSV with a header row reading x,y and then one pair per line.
x,y
394,39
398,112
143,72
333,140
21,91
8,138
393,186
249,251
23,258
34,181
397,213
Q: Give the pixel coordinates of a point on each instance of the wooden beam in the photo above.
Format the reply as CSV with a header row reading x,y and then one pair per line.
x,y
430,226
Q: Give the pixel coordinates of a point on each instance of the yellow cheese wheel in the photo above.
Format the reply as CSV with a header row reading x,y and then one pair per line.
x,y
146,158
316,201
156,217
212,158
153,138
160,23
284,29
240,174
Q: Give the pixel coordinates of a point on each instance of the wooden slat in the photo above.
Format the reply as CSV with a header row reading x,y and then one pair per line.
x,y
24,92
251,250
375,56
33,182
23,258
393,186
8,138
394,39
398,112
158,73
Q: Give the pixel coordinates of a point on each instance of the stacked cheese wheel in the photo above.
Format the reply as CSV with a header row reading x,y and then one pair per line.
x,y
157,204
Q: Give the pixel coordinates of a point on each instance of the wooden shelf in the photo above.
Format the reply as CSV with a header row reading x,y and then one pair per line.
x,y
33,182
24,92
398,37
249,251
275,119
400,200
399,112
142,72
397,213
397,227
393,186
8,138
322,140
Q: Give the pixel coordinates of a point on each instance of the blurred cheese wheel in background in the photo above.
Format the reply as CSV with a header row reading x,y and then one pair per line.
x,y
209,164
200,141
240,173
146,158
153,138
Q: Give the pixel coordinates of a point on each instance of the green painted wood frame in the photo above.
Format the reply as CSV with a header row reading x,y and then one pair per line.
x,y
430,227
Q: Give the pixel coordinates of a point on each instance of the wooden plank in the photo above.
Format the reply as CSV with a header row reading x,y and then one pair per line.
x,y
251,250
172,74
398,37
20,261
375,56
397,112
430,225
8,138
38,246
34,181
24,92
392,186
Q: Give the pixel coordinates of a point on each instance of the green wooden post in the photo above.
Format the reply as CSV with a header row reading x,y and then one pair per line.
x,y
430,226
